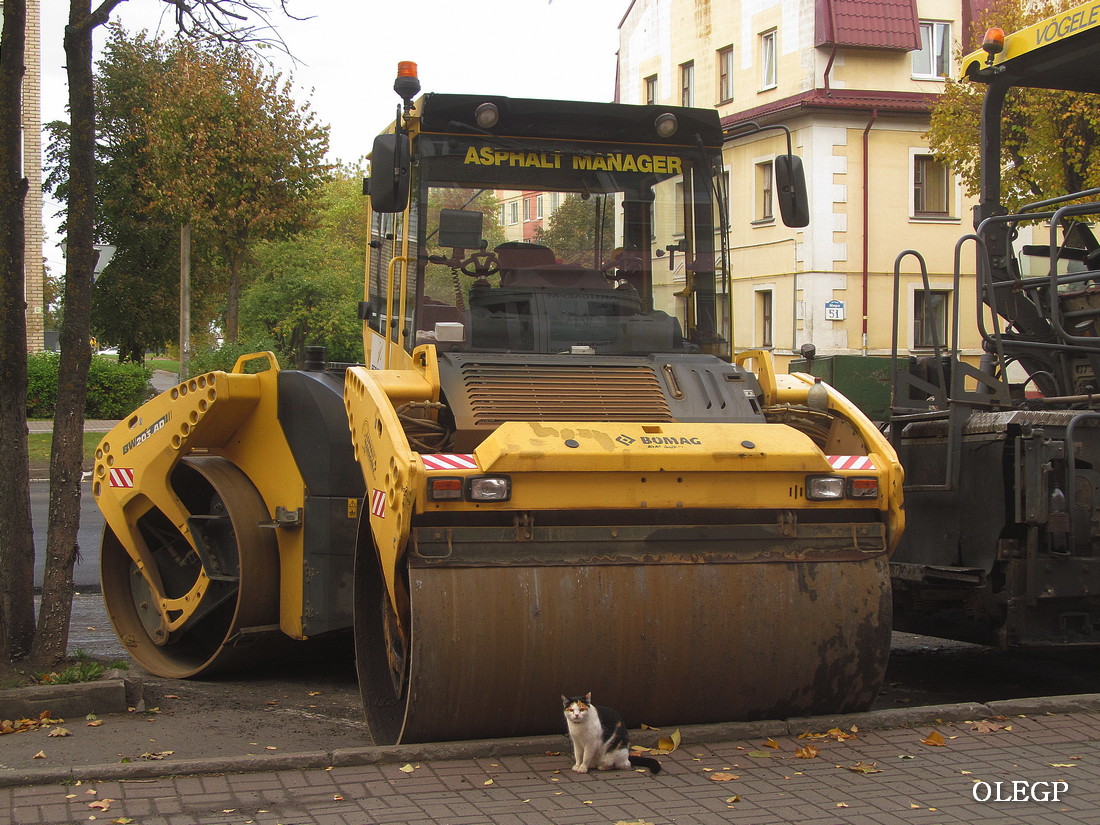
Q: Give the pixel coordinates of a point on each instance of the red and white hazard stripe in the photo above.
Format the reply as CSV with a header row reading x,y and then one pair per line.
x,y
851,462
449,461
122,477
378,503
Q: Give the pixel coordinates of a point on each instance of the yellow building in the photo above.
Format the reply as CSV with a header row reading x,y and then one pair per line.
x,y
854,81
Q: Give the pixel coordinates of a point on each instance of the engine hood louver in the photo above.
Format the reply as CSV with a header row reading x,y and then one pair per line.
x,y
485,390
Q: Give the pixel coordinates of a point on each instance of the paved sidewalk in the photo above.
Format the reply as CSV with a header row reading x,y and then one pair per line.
x,y
1007,768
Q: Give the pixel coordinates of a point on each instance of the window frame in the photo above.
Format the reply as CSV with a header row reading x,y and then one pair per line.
x,y
763,191
650,90
919,329
764,326
687,83
937,51
918,183
725,74
768,44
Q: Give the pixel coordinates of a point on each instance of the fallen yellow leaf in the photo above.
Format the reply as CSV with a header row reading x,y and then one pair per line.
x,y
721,776
487,782
806,752
407,768
669,743
771,743
39,755
935,739
101,804
95,723
864,767
59,732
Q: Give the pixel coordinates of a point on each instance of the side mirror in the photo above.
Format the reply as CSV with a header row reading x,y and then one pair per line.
x,y
389,179
790,183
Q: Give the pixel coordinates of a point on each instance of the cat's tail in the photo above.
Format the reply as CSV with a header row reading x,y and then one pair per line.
x,y
645,762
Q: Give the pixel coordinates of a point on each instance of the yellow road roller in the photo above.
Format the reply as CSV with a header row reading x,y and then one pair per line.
x,y
551,476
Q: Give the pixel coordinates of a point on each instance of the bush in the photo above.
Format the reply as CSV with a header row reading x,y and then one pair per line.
x,y
225,356
41,384
114,390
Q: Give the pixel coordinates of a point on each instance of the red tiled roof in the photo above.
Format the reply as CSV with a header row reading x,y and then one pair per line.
x,y
868,24
907,103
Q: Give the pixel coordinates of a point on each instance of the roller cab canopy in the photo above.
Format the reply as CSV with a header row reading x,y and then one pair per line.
x,y
1059,52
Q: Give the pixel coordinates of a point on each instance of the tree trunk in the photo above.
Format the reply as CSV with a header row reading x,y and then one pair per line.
x,y
234,264
185,301
51,638
16,532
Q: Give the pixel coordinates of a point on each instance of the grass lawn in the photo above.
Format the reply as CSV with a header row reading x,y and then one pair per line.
x,y
162,364
39,446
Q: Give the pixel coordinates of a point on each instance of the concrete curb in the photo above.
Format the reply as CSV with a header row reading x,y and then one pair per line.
x,y
112,695
691,734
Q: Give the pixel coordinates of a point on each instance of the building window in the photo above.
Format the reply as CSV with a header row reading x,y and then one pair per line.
x,y
538,206
930,317
651,90
767,60
513,212
526,209
764,185
764,316
933,59
725,74
931,188
687,82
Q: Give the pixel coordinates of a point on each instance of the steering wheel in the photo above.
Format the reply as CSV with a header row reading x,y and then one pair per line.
x,y
481,265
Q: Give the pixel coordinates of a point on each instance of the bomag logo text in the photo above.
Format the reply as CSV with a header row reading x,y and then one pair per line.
x,y
147,433
613,162
669,440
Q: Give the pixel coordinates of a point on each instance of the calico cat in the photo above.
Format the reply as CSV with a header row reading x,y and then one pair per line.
x,y
599,738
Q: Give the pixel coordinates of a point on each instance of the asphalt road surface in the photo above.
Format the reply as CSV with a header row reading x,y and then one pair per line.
x,y
86,572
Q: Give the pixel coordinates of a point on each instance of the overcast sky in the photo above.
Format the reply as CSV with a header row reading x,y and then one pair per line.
x,y
348,52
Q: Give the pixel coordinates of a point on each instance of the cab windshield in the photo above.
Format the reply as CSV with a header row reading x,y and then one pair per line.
x,y
540,247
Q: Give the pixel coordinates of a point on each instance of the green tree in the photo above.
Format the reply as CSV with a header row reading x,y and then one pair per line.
x,y
232,153
571,231
1050,139
19,637
305,289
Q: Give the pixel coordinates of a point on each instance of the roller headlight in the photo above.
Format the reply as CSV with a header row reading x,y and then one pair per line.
x,y
825,488
489,488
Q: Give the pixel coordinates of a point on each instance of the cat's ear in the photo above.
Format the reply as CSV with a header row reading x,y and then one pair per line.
x,y
564,701
588,697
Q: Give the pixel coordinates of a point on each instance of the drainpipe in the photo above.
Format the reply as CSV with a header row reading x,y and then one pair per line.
x,y
832,54
866,211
